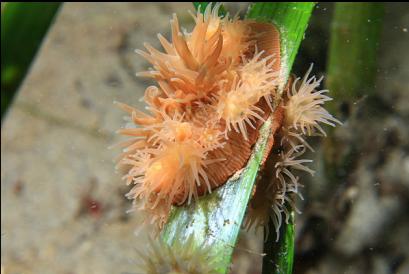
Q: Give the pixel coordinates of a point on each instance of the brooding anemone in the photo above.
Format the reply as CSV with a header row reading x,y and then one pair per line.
x,y
304,109
214,87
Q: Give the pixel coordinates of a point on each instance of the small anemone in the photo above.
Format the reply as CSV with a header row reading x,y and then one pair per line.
x,y
191,67
273,193
236,39
259,77
186,258
237,110
304,109
173,172
238,107
289,161
171,160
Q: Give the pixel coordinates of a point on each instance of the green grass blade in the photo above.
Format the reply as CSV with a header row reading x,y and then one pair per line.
x,y
216,218
23,27
279,257
355,37
355,34
351,72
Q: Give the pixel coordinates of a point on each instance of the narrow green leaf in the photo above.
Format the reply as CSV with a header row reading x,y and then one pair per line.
x,y
355,37
23,27
355,34
279,257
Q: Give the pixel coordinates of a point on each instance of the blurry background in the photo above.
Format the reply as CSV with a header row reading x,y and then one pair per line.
x,y
63,208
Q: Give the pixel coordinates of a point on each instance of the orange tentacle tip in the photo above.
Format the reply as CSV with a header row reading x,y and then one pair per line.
x,y
214,88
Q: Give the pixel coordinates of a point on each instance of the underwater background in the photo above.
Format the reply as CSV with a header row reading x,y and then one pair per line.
x,y
63,208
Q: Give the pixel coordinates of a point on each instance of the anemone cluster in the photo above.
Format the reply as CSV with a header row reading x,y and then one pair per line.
x,y
215,86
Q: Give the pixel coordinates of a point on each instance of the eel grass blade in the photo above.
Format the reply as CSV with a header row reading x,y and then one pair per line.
x,y
351,73
215,219
352,68
23,27
354,41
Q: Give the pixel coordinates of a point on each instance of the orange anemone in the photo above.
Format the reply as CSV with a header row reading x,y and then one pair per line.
x,y
214,88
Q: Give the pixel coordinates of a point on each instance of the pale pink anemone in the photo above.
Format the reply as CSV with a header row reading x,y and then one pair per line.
x,y
304,109
256,80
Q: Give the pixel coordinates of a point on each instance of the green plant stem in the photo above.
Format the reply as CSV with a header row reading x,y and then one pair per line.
x,y
23,27
280,254
355,36
355,33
